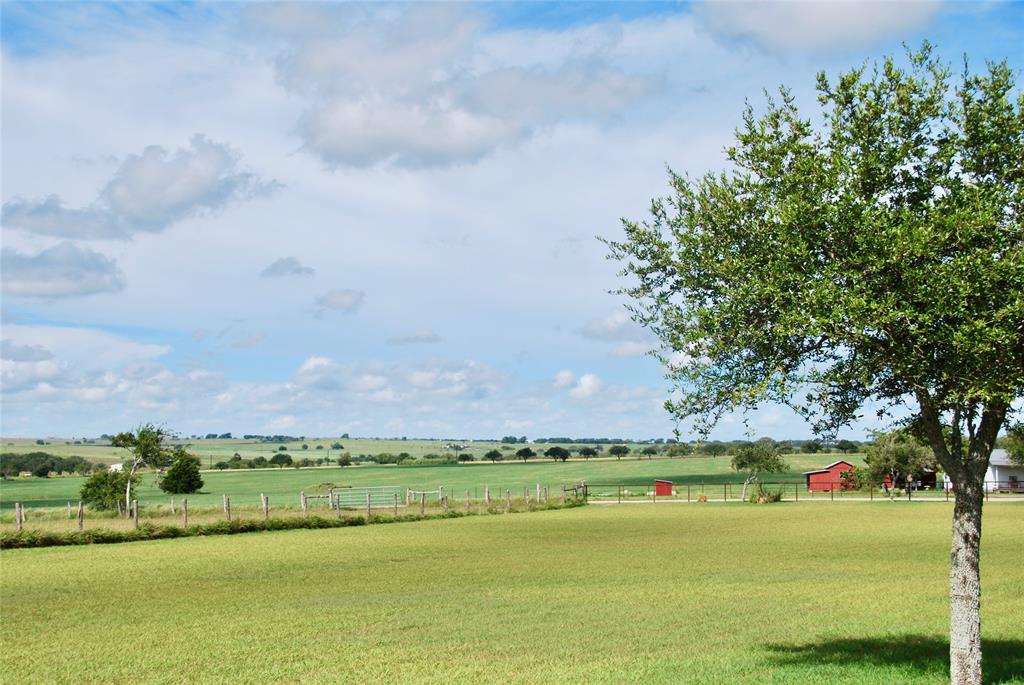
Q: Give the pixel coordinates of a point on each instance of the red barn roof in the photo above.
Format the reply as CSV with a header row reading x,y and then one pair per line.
x,y
829,467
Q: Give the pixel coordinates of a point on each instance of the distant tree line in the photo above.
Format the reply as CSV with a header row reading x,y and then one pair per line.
x,y
41,464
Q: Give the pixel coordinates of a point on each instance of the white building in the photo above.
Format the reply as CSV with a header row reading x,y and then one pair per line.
x,y
116,467
1001,474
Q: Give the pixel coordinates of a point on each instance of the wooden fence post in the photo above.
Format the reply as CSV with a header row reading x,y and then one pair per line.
x,y
265,502
368,511
81,515
508,500
444,503
687,492
69,508
17,515
487,495
172,506
538,492
184,512
135,514
396,506
227,507
563,493
302,501
423,502
467,501
545,494
526,496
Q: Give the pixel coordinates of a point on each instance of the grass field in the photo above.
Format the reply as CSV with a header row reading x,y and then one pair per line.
x,y
283,485
793,593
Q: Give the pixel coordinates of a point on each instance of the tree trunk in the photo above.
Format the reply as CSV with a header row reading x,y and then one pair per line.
x,y
965,585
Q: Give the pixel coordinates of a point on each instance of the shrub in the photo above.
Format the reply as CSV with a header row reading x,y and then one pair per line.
x,y
41,471
103,490
182,477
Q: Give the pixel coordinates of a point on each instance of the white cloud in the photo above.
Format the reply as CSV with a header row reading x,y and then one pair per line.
x,y
789,26
281,423
64,270
586,387
286,266
614,326
422,336
416,87
23,353
147,193
564,379
341,300
632,348
319,372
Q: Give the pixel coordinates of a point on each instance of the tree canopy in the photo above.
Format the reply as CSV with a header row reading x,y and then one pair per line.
x,y
873,252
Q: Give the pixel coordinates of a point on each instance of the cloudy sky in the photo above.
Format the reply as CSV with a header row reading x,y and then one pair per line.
x,y
375,219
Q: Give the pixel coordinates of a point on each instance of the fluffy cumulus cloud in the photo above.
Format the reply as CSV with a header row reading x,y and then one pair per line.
x,y
420,337
340,300
564,379
286,266
792,26
420,86
147,193
588,385
64,270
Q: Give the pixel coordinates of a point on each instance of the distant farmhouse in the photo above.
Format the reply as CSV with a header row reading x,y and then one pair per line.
x,y
1002,475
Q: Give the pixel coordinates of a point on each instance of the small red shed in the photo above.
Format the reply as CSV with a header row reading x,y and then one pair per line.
x,y
827,478
662,488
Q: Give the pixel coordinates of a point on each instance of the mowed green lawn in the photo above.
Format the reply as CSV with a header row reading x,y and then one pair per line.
x,y
283,485
791,593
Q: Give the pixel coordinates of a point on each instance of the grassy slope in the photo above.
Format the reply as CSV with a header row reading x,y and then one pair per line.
x,y
283,485
668,594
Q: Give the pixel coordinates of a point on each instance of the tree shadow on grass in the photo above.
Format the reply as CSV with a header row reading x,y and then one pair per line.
x,y
1003,659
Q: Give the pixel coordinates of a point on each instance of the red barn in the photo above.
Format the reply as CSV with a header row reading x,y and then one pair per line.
x,y
827,478
662,488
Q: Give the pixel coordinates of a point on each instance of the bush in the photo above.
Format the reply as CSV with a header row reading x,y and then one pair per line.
x,y
103,490
182,477
762,495
281,459
41,471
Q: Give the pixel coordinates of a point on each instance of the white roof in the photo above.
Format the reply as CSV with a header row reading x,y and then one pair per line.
x,y
1000,458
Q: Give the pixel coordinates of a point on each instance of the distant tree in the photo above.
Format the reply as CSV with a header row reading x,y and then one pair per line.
x,y
41,471
494,455
557,453
183,475
344,436
260,462
522,440
755,459
282,448
466,456
525,453
618,451
345,460
588,452
319,447
146,448
714,449
281,459
510,439
847,446
896,455
221,465
1015,443
649,451
224,436
337,446
680,449
40,442
305,446
811,446
104,489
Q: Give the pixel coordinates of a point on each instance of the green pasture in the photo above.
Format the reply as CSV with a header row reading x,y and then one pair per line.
x,y
283,485
791,593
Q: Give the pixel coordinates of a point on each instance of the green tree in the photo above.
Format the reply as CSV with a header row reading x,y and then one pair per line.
x,y
873,253
760,457
525,453
345,460
1015,443
146,448
811,446
494,455
649,451
588,452
183,476
281,459
847,446
896,455
557,453
618,451
104,489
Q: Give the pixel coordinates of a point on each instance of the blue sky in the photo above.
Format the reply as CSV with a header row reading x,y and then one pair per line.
x,y
376,219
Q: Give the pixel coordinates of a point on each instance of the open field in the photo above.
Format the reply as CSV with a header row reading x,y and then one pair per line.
x,y
793,593
283,485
